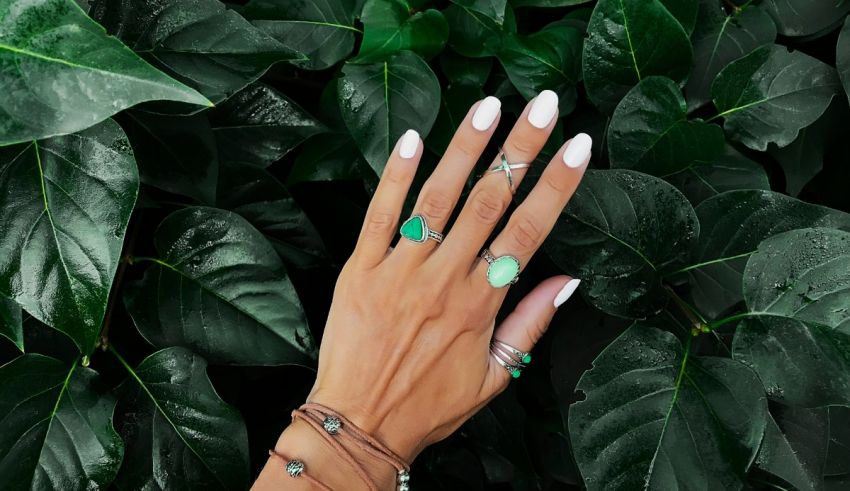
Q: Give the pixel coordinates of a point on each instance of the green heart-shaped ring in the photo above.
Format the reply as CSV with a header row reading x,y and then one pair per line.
x,y
416,229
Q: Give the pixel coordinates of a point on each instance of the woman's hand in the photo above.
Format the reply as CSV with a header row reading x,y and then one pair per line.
x,y
405,353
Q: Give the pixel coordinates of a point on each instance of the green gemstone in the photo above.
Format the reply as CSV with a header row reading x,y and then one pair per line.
x,y
414,229
502,271
526,359
515,374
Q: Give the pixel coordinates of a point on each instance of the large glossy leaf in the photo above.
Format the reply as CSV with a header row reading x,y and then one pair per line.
x,y
771,94
547,3
842,56
650,132
259,125
65,203
493,9
720,38
732,226
628,40
61,73
794,447
547,59
389,26
655,416
179,433
220,289
455,102
685,11
321,29
200,42
56,427
838,451
380,101
174,153
475,35
11,325
804,17
797,285
727,172
620,232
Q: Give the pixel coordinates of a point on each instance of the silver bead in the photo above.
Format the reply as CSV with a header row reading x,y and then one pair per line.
x,y
403,487
332,424
294,468
403,477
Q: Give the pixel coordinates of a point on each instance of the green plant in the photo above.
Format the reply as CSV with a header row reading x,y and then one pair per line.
x,y
181,179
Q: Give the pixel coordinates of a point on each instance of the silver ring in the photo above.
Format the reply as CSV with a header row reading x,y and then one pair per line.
x,y
508,169
523,357
498,267
415,229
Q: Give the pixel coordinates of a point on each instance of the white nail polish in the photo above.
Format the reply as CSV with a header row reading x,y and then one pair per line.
x,y
566,292
486,113
578,150
409,144
543,110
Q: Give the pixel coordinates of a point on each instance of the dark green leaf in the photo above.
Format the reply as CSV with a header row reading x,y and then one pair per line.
x,y
462,70
201,42
454,105
805,17
389,27
178,432
321,29
219,288
795,445
175,153
842,56
330,157
620,232
838,453
65,203
11,325
61,73
259,125
380,101
475,35
628,40
547,59
649,131
547,3
720,39
732,225
55,427
771,94
685,11
727,172
657,417
492,9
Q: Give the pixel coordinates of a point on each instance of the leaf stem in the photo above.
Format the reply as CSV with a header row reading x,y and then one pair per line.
x,y
698,324
103,339
732,318
713,261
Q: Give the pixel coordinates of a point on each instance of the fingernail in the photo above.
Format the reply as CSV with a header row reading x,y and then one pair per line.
x,y
566,292
578,150
543,110
409,144
486,113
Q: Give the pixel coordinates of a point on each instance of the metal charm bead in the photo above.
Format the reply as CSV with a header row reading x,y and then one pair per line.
x,y
403,487
294,468
403,477
332,424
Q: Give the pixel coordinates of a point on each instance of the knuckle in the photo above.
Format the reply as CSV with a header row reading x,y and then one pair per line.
x,y
467,151
555,184
378,223
526,233
437,205
525,147
488,206
395,174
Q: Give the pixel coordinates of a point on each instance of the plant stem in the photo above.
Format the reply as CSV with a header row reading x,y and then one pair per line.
x,y
103,339
713,261
698,324
732,318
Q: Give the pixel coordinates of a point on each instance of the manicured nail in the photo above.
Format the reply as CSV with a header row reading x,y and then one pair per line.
x,y
486,113
543,110
409,144
578,150
566,292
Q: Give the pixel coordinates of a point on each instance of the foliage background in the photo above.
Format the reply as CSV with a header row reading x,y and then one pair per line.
x,y
714,224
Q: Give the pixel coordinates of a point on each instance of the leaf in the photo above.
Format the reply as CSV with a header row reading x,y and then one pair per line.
x,y
803,17
11,324
547,59
649,131
454,105
620,232
727,172
462,70
259,125
56,427
389,27
657,417
492,9
838,451
475,35
200,42
719,39
794,447
547,3
685,11
842,56
220,289
771,94
380,101
65,203
732,226
330,157
179,433
62,73
322,29
627,41
177,154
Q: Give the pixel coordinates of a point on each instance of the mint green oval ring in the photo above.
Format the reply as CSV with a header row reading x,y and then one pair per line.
x,y
502,271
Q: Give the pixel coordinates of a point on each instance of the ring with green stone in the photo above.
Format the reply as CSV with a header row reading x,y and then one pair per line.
x,y
502,271
416,229
508,357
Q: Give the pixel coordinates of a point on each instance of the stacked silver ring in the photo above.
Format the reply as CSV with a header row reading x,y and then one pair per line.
x,y
510,358
508,168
